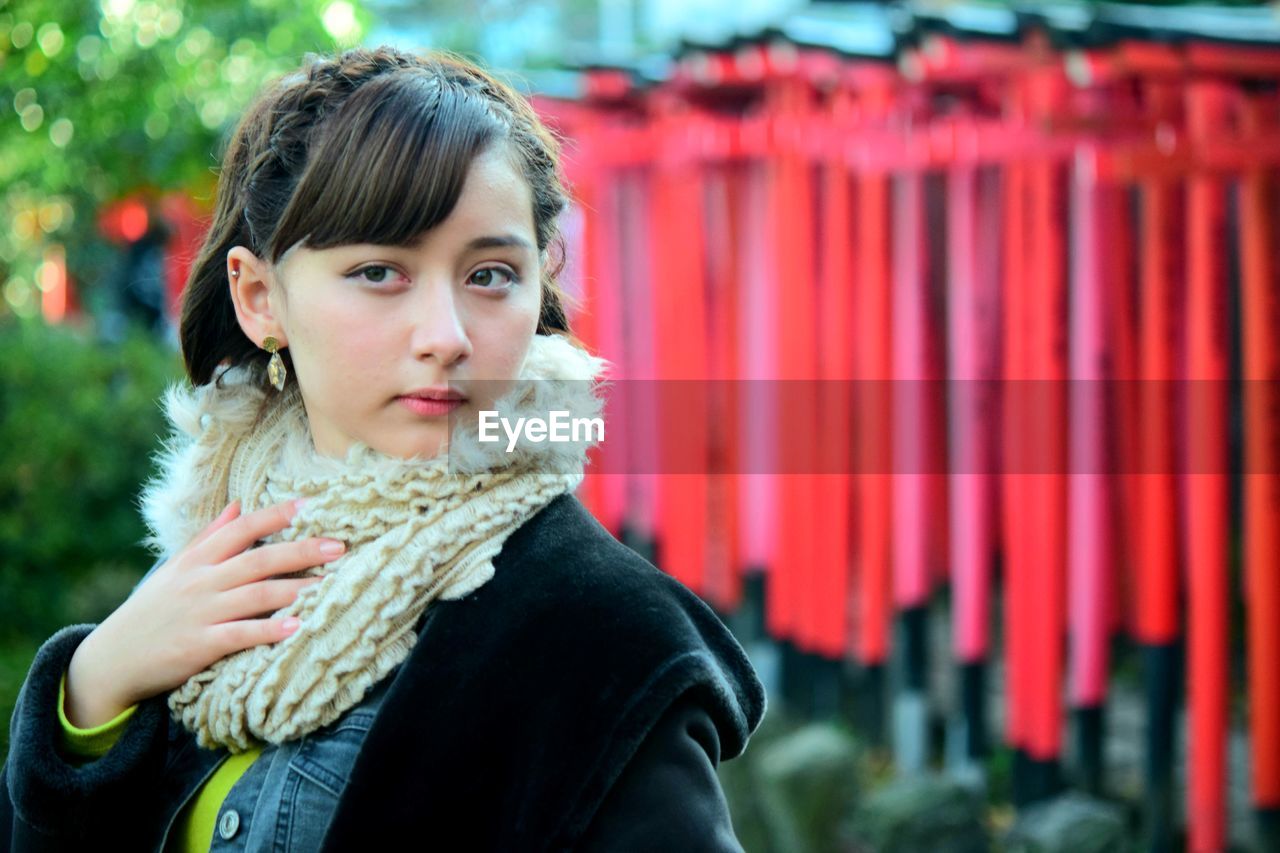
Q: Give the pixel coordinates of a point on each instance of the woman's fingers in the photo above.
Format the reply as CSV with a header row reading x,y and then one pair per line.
x,y
236,536
182,621
226,515
231,637
257,599
277,558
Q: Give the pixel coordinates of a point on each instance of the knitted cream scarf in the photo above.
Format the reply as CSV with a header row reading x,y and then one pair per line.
x,y
415,530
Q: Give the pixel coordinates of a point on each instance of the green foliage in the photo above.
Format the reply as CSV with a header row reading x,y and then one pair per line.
x,y
79,424
15,659
107,98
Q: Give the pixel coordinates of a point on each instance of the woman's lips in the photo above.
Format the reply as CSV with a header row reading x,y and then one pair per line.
x,y
429,408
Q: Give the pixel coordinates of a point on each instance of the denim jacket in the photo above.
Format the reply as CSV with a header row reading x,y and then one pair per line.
x,y
284,801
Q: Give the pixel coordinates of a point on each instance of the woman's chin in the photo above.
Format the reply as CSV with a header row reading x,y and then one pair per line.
x,y
414,446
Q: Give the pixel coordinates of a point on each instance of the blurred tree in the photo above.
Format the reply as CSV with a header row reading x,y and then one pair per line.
x,y
79,423
107,98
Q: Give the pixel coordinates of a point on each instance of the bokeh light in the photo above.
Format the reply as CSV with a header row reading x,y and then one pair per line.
x,y
339,20
61,131
51,39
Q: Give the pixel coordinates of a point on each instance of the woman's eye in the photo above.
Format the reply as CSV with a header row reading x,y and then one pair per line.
x,y
375,274
486,279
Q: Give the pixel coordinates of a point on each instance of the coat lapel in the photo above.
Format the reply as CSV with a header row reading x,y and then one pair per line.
x,y
521,702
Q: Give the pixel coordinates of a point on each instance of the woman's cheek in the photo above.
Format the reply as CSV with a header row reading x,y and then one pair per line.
x,y
508,354
349,336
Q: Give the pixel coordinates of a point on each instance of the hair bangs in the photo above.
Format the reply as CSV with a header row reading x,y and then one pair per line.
x,y
390,165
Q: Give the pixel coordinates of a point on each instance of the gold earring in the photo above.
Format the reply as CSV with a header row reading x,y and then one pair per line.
x,y
275,367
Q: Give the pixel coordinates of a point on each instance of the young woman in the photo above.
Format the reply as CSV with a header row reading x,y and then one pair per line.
x,y
369,629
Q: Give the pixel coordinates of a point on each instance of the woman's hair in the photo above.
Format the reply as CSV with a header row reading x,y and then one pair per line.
x,y
369,146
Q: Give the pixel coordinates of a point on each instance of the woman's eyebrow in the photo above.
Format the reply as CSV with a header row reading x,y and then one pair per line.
x,y
498,241
489,241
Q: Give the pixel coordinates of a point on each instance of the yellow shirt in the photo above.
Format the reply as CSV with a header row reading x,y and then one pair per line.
x,y
195,824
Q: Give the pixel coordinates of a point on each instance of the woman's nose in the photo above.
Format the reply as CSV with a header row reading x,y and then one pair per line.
x,y
438,328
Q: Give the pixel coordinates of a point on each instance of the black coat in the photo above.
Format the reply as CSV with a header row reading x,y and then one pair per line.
x,y
579,700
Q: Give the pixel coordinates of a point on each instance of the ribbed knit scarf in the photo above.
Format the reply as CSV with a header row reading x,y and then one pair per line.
x,y
415,529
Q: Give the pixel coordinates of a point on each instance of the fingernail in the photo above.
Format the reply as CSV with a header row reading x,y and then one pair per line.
x,y
291,624
332,548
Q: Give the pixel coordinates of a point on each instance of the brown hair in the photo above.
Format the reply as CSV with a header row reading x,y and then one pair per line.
x,y
333,154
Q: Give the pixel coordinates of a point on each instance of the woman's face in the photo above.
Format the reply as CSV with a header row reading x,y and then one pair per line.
x,y
366,325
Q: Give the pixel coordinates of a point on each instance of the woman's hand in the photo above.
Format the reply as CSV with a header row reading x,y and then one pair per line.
x,y
195,609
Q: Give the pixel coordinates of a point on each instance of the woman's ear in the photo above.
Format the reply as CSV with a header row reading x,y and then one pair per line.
x,y
249,278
